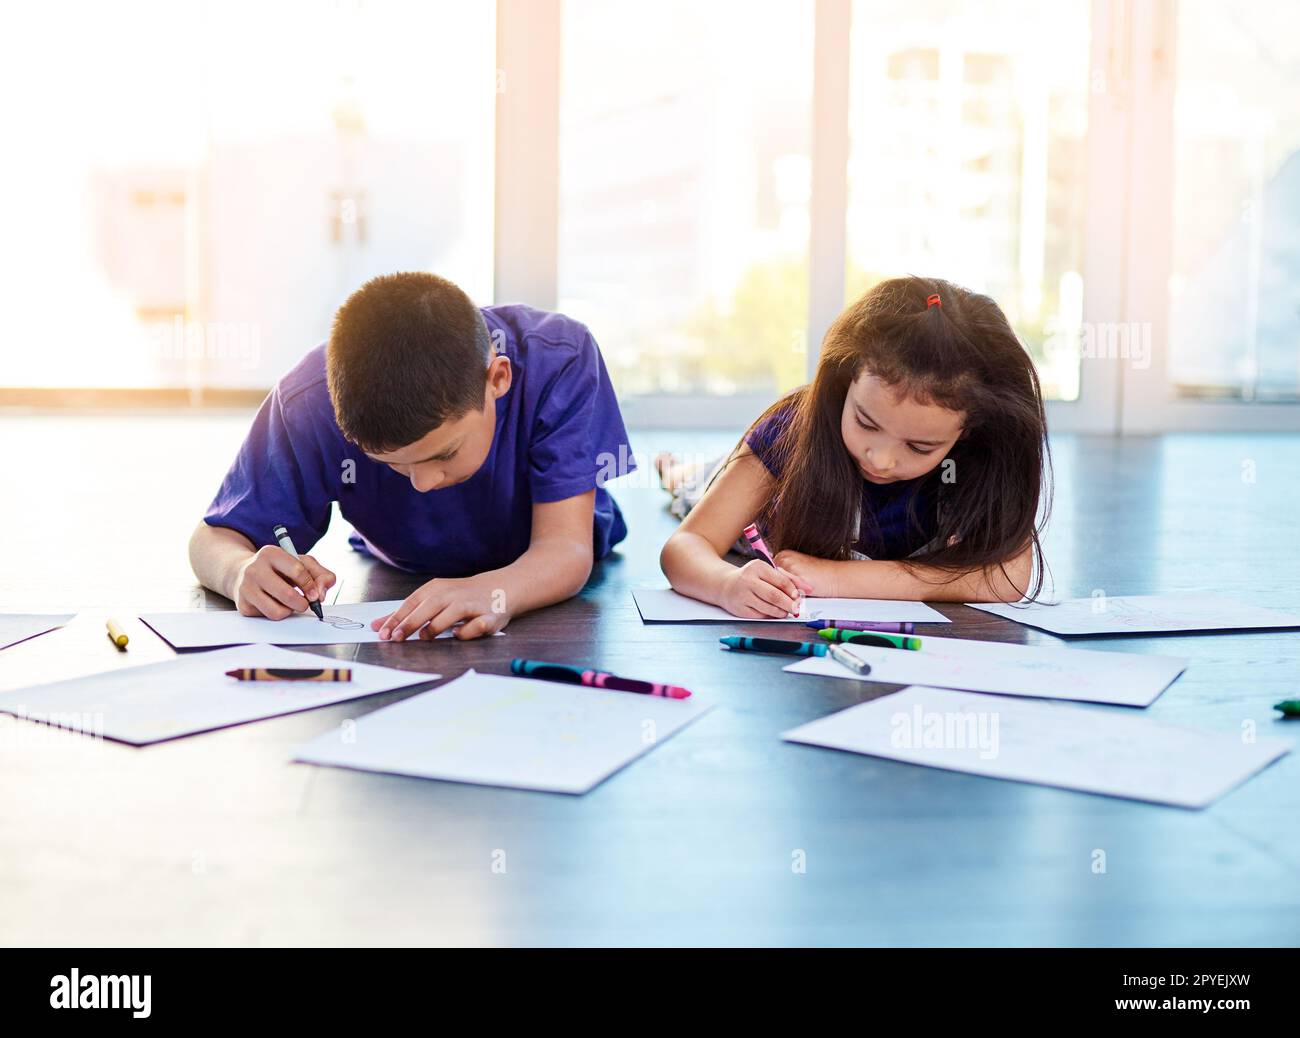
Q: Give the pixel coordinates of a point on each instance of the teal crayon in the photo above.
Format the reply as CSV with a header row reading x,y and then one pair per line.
x,y
877,638
774,645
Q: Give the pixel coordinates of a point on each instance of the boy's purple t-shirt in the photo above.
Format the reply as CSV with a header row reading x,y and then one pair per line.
x,y
558,434
888,529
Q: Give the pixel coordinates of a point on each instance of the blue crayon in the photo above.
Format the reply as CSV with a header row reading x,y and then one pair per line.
x,y
775,645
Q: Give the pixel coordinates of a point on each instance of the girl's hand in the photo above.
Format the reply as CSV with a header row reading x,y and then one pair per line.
x,y
758,590
442,604
816,575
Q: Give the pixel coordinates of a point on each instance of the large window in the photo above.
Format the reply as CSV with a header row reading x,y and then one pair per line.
x,y
967,130
684,189
192,188
1235,290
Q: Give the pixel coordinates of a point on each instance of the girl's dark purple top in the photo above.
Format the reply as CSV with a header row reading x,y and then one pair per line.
x,y
887,531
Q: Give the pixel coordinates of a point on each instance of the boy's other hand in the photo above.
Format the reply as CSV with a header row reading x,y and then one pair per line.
x,y
759,590
269,583
440,605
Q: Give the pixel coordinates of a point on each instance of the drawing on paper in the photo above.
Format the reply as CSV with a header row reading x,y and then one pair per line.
x,y
343,623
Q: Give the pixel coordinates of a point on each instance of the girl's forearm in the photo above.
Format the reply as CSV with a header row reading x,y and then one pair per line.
x,y
693,567
894,580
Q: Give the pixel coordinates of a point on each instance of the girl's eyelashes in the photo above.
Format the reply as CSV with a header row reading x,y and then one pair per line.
x,y
871,428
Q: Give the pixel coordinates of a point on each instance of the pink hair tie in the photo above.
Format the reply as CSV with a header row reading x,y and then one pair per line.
x,y
934,300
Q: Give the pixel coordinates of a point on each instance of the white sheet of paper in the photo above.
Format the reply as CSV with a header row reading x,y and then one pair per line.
x,y
18,627
1042,671
1142,614
202,629
1050,744
192,694
664,605
504,731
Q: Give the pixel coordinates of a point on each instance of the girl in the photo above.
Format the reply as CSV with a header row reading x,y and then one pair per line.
x,y
911,468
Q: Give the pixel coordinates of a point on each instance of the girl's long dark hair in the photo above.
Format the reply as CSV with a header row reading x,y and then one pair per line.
x,y
961,355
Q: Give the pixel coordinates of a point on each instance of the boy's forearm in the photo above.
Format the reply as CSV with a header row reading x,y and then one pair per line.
x,y
550,571
894,580
216,555
692,566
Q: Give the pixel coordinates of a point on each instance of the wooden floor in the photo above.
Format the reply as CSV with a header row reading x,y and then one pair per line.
x,y
218,839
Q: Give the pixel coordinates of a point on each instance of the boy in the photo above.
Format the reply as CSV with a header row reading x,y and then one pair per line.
x,y
472,444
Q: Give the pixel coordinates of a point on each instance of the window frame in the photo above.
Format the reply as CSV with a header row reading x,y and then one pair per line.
x,y
1128,217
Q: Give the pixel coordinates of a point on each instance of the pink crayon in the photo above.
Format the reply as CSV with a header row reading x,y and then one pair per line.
x,y
599,679
755,540
571,675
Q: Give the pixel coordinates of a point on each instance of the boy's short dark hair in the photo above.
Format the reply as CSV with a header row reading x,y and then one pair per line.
x,y
407,352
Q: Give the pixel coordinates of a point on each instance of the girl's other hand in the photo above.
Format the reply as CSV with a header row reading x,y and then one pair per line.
x,y
759,590
815,576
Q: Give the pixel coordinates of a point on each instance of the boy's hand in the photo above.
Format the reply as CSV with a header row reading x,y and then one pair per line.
x,y
442,604
757,589
269,582
816,575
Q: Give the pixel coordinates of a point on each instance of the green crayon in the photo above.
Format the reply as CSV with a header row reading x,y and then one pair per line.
x,y
880,639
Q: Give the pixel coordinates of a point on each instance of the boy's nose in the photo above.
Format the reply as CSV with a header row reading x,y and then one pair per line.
x,y
425,481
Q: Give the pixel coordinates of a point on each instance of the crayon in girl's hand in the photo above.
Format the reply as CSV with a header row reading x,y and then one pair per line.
x,y
755,540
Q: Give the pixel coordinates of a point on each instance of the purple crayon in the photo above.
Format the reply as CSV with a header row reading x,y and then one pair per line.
x,y
863,625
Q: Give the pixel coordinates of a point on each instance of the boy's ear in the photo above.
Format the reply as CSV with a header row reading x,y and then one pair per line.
x,y
499,376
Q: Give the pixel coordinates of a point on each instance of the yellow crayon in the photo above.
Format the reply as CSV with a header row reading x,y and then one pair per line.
x,y
115,634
